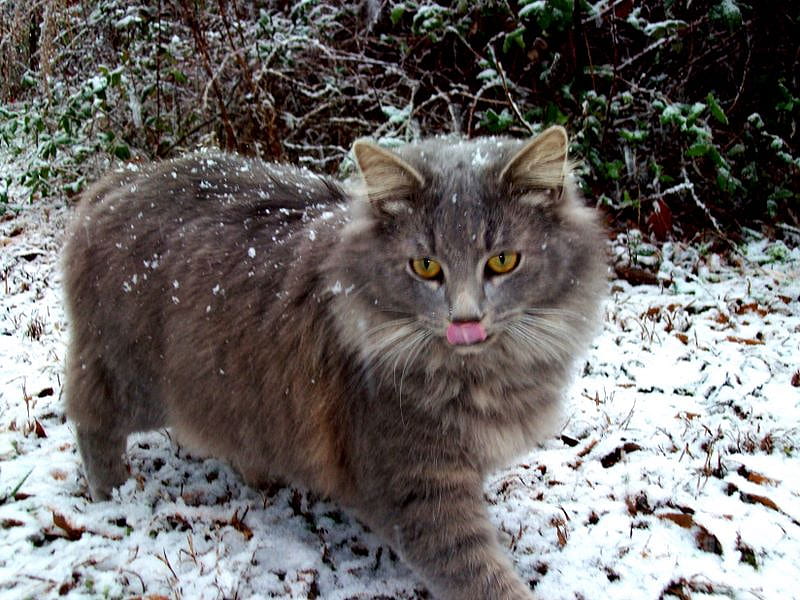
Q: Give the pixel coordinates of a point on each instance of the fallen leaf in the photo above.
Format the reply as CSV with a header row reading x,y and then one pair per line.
x,y
683,338
751,307
9,523
72,533
39,429
238,524
653,312
756,499
746,552
561,531
569,441
587,449
660,220
796,379
745,341
680,519
707,541
685,414
636,275
612,458
638,504
755,477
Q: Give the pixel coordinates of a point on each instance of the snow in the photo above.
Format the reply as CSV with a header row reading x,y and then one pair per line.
x,y
676,468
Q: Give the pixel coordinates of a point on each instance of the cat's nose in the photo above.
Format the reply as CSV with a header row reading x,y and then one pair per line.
x,y
466,307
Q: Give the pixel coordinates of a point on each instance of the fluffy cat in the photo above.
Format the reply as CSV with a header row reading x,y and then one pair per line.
x,y
385,345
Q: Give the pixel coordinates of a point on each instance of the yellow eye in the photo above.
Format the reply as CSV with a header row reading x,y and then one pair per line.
x,y
502,263
427,268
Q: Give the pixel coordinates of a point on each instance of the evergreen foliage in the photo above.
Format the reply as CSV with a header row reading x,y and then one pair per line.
x,y
684,115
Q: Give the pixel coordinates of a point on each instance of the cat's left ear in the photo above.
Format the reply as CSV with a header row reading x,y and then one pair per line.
x,y
390,180
539,169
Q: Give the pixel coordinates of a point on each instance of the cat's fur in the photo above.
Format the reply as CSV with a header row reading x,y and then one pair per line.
x,y
269,316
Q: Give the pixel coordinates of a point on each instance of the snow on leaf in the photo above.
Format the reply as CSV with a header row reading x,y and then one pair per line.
x,y
71,532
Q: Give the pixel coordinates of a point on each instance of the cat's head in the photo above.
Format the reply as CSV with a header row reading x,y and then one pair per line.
x,y
462,252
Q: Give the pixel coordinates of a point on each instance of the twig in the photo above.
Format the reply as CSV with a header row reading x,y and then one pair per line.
x,y
655,45
503,81
165,560
603,12
689,185
745,72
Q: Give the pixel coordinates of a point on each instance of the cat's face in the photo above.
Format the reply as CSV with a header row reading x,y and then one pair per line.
x,y
473,251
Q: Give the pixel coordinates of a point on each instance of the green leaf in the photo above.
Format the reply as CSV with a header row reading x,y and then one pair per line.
x,y
497,122
672,114
122,151
179,76
698,149
726,182
694,112
514,38
637,135
554,116
613,169
28,81
14,491
397,13
716,109
727,11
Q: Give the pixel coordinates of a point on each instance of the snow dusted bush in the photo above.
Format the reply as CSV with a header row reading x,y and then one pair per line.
x,y
684,114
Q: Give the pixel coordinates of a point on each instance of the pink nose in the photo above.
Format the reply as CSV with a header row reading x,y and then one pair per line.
x,y
465,333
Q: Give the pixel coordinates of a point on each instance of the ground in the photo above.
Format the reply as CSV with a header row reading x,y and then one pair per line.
x,y
675,473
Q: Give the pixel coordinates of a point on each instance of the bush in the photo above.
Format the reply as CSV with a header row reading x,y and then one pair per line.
x,y
685,117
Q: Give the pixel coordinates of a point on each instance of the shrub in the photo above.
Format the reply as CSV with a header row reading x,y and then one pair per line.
x,y
685,115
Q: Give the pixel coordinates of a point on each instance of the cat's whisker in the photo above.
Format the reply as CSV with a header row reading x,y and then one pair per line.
x,y
388,349
387,324
539,341
419,342
554,312
414,348
558,326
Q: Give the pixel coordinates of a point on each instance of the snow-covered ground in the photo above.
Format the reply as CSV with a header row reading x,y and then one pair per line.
x,y
676,474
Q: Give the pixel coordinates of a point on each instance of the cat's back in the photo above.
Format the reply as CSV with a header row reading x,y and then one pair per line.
x,y
200,185
156,246
135,219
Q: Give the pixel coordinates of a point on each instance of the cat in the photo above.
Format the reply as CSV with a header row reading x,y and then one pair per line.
x,y
385,343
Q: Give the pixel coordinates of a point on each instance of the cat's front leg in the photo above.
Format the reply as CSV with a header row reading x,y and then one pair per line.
x,y
441,529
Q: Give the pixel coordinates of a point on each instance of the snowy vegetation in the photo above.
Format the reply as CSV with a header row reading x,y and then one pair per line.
x,y
675,472
674,475
684,115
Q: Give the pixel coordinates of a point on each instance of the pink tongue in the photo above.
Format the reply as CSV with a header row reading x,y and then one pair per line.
x,y
470,332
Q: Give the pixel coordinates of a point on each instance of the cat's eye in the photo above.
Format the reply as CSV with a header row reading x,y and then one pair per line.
x,y
426,267
502,263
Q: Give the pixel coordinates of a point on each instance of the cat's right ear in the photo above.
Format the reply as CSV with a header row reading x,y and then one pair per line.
x,y
390,181
539,170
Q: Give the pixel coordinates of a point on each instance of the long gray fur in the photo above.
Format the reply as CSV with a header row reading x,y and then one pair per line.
x,y
269,316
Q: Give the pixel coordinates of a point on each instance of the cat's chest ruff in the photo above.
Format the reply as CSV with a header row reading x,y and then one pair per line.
x,y
501,424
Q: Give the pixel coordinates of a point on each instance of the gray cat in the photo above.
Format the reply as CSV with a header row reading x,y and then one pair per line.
x,y
386,346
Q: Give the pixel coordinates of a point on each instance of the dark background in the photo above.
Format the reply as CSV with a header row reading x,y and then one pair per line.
x,y
683,118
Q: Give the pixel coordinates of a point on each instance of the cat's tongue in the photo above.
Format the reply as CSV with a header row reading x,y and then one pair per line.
x,y
462,334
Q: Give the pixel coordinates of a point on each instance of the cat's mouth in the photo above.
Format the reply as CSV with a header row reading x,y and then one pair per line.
x,y
466,335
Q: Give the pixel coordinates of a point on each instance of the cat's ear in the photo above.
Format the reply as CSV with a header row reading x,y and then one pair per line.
x,y
389,179
540,168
